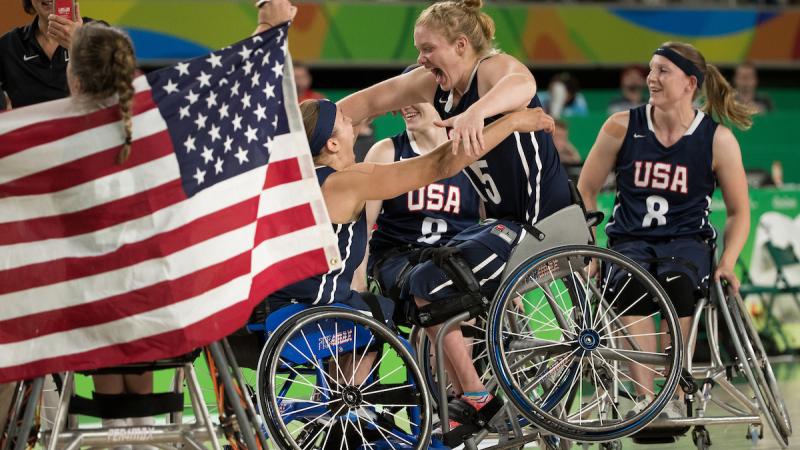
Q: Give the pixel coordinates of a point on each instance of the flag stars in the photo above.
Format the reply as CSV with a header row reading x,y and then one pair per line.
x,y
184,111
269,91
255,80
223,111
214,133
189,144
200,121
171,87
241,155
235,88
245,52
237,122
265,60
251,134
269,144
228,143
218,166
215,60
204,79
192,97
248,66
261,113
246,100
275,122
200,176
211,100
182,68
277,69
208,154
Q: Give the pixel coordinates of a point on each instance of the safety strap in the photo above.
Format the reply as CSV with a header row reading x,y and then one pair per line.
x,y
374,306
120,406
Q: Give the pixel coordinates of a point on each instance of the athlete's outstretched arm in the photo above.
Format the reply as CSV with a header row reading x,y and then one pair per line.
x,y
346,191
602,158
382,153
733,183
417,86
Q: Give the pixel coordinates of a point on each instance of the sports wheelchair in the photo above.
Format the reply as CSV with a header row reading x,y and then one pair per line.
x,y
331,377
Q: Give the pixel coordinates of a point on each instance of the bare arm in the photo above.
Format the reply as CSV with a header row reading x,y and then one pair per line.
x,y
733,183
383,153
347,190
602,157
417,86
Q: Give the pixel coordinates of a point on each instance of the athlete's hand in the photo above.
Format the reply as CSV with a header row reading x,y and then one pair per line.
x,y
534,119
467,131
725,272
274,12
61,29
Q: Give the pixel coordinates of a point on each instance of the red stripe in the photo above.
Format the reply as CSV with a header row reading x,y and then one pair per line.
x,y
158,246
95,218
52,130
284,171
181,341
120,306
89,168
283,222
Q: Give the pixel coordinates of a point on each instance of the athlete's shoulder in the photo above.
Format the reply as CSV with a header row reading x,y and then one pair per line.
x,y
382,151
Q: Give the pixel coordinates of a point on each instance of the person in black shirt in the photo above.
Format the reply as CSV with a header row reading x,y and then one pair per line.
x,y
33,58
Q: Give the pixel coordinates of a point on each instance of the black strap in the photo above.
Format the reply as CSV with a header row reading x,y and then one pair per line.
x,y
120,406
374,306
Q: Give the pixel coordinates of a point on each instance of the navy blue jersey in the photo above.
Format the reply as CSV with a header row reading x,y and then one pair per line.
x,y
333,286
428,216
663,192
522,178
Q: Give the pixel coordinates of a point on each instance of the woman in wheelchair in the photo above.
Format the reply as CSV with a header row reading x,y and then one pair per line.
x,y
347,186
666,156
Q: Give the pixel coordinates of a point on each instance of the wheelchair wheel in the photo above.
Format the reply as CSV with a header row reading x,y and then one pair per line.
x,y
23,419
308,389
562,346
757,368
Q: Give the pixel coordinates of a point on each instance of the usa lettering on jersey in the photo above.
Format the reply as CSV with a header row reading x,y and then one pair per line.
x,y
435,197
661,175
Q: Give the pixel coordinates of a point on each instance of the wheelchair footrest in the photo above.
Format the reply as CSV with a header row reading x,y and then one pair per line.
x,y
659,436
120,406
471,420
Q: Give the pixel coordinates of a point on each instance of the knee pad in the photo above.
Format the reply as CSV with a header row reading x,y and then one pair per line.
x,y
630,292
681,291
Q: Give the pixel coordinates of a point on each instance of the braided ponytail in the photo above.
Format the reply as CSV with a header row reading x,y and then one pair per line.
x,y
103,62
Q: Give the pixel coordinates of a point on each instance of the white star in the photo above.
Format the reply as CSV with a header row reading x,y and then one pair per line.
x,y
231,70
200,121
184,111
215,60
208,154
228,142
246,100
254,81
285,47
278,69
280,35
245,52
218,165
211,100
200,176
183,68
260,113
223,82
171,87
241,155
189,144
192,97
248,66
275,122
265,60
214,133
251,134
235,88
237,122
223,111
269,144
269,91
204,79
258,39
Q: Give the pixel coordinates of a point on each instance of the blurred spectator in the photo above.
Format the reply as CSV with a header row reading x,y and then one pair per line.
x,y
566,150
303,80
563,97
2,108
632,85
365,139
745,81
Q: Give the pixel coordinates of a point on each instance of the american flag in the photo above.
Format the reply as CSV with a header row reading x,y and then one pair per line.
x,y
103,263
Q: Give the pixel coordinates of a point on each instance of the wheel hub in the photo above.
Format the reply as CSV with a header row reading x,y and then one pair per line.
x,y
351,396
589,339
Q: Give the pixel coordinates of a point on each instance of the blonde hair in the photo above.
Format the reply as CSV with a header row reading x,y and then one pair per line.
x,y
719,97
454,18
103,62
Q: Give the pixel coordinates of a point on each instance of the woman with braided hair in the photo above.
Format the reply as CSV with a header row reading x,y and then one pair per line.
x,y
100,71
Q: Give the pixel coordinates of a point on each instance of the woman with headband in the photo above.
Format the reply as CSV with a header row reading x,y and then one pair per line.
x,y
668,157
